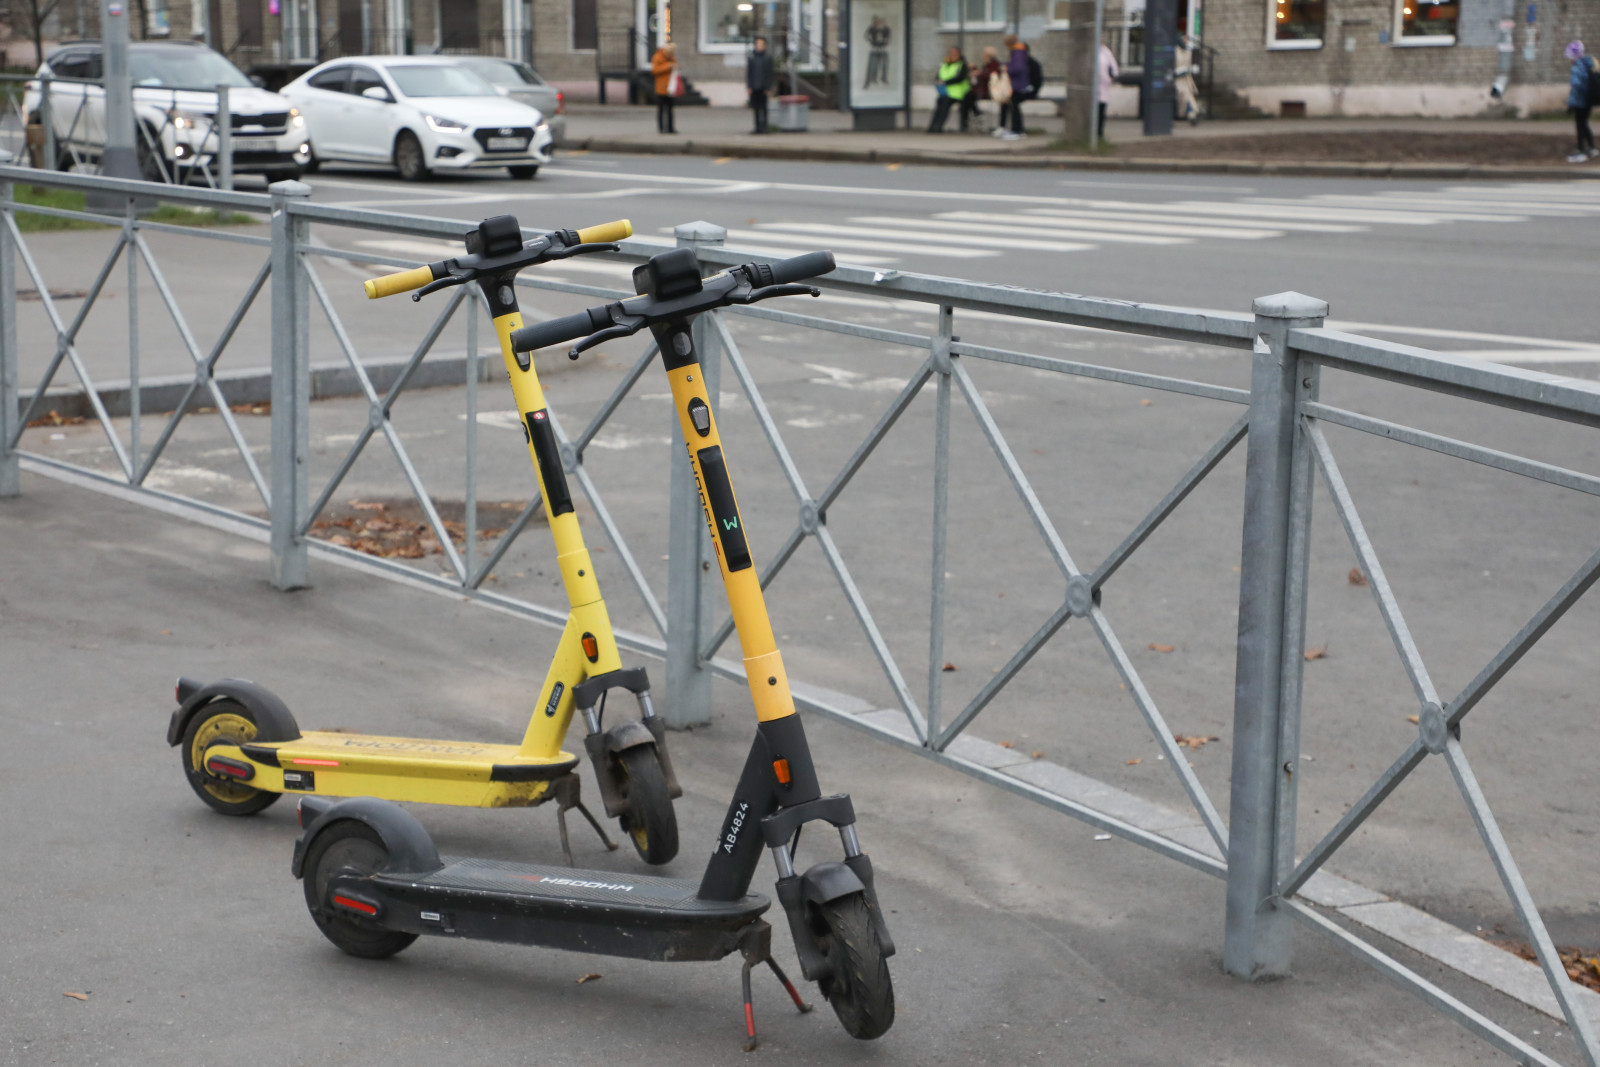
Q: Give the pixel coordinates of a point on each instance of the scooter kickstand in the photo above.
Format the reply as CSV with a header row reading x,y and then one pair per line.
x,y
794,994
756,947
567,797
749,1007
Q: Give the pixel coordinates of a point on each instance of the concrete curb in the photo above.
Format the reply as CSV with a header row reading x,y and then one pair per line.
x,y
800,152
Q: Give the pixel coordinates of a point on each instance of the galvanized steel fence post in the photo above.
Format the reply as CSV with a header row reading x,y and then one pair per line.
x,y
47,119
291,387
1266,709
689,555
223,123
9,483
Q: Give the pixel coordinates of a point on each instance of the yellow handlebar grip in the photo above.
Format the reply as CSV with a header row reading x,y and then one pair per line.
x,y
620,230
403,282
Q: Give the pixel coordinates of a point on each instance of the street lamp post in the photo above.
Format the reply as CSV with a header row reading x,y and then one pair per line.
x,y
121,156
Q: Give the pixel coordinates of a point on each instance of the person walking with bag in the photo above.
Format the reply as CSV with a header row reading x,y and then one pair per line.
x,y
1583,91
953,85
1017,76
669,86
983,81
758,75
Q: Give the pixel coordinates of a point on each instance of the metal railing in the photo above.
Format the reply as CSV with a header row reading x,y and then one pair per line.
x,y
1281,419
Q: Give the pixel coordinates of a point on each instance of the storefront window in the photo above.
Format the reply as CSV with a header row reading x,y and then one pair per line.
x,y
977,13
727,22
1433,21
1295,23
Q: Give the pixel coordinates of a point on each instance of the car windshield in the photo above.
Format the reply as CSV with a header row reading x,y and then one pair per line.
x,y
440,80
183,68
507,75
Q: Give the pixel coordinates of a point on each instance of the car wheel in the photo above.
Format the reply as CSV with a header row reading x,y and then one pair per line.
x,y
408,158
523,173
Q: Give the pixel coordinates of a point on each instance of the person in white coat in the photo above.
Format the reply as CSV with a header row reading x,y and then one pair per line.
x,y
1108,77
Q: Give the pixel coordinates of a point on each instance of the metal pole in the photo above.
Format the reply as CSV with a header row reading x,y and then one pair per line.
x,y
47,116
121,156
942,365
1095,103
223,123
1258,933
291,387
10,480
688,691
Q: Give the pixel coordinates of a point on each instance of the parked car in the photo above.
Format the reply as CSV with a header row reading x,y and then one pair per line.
x,y
175,109
522,83
418,113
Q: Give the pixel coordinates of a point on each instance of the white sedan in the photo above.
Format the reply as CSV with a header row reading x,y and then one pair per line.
x,y
419,113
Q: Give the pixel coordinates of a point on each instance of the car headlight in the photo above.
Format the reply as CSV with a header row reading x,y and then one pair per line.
x,y
296,119
444,125
186,120
543,126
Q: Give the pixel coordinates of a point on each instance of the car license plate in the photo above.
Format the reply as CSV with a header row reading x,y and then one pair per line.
x,y
252,144
507,144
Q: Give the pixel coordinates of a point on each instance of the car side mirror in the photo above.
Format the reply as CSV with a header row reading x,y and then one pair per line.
x,y
377,92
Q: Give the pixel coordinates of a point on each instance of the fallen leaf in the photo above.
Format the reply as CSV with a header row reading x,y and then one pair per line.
x,y
77,996
1005,744
1146,402
948,667
1412,719
1160,648
589,978
1188,741
1320,652
1355,577
55,418
165,632
1135,762
366,505
1037,755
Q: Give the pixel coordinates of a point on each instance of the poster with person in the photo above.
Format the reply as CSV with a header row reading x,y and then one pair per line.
x,y
877,38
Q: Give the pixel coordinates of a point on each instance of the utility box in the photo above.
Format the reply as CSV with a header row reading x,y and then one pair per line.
x,y
794,114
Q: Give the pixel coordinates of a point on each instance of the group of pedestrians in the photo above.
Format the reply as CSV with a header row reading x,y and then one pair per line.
x,y
1008,84
759,78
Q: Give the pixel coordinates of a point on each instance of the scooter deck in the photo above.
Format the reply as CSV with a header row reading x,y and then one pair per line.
x,y
613,914
329,763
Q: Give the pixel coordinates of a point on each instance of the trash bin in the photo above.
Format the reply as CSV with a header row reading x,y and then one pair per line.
x,y
794,113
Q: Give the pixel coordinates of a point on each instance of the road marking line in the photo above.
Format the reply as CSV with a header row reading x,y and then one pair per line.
x,y
763,236
985,233
1422,211
829,230
1031,224
1157,212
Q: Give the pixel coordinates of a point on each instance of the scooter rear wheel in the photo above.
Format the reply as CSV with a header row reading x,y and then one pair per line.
x,y
857,983
649,821
348,848
221,722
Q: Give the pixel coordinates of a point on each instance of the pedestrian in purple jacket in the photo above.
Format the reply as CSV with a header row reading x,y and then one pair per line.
x,y
1017,71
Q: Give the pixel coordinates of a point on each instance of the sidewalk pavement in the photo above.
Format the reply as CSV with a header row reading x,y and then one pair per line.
x,y
713,131
1023,937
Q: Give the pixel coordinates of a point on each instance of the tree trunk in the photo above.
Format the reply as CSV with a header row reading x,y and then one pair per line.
x,y
1082,51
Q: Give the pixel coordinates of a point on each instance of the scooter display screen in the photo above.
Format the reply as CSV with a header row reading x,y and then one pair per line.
x,y
724,512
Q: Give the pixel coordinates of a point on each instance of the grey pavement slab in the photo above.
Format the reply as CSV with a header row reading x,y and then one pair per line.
x,y
1022,938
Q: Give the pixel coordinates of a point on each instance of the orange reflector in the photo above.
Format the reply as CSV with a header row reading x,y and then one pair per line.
x,y
780,767
591,647
316,762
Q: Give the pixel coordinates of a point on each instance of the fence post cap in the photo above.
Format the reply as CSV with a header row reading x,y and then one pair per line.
x,y
700,233
5,157
289,188
1290,306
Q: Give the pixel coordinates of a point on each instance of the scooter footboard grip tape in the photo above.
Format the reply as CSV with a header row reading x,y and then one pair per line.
x,y
553,332
799,268
403,282
606,232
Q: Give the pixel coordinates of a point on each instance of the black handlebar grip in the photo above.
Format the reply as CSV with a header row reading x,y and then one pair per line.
x,y
799,268
559,331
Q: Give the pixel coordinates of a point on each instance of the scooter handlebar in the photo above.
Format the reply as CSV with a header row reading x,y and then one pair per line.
x,y
606,232
558,331
402,282
799,268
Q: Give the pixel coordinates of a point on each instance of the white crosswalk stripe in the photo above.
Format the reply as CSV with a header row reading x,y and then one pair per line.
x,y
1032,232
1238,231
842,238
969,240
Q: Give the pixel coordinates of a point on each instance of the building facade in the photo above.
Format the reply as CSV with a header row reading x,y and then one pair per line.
x,y
1267,57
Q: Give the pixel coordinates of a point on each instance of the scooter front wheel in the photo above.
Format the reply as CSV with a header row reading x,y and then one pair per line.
x,y
221,722
348,848
857,983
649,821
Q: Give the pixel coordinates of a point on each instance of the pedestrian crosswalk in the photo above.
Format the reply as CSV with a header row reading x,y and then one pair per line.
x,y
1081,224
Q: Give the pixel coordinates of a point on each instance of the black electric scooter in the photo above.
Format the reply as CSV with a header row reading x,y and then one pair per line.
x,y
374,882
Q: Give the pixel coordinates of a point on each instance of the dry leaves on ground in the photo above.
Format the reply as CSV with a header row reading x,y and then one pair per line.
x,y
1006,744
1162,648
55,418
1355,577
948,667
391,530
251,409
77,996
1193,741
589,978
1135,762
1582,967
1320,652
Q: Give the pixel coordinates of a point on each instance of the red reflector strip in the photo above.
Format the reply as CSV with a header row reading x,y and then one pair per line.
x,y
780,767
219,766
316,762
356,905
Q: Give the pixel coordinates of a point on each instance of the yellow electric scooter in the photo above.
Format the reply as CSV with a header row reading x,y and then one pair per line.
x,y
242,749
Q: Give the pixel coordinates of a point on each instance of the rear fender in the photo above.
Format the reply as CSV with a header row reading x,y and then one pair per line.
x,y
273,720
409,846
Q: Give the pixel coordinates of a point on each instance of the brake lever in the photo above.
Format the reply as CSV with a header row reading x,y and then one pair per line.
x,y
443,283
610,333
768,291
577,250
